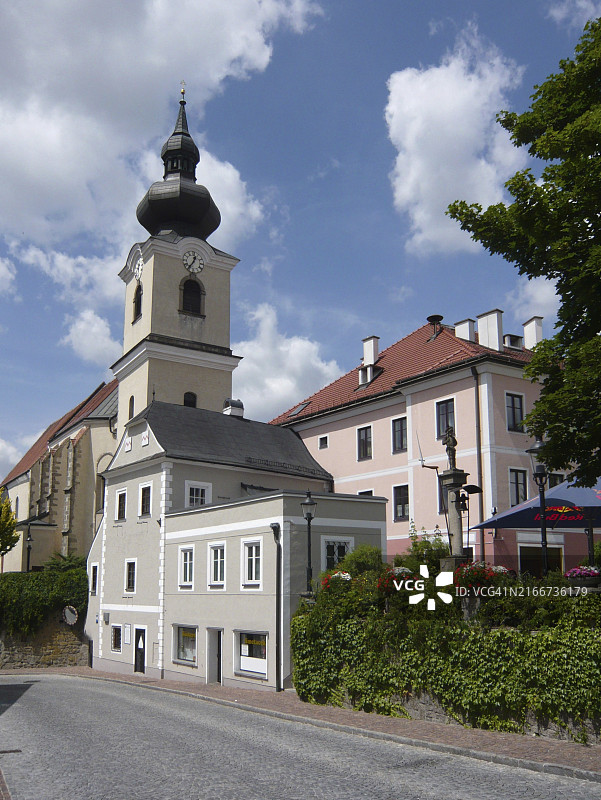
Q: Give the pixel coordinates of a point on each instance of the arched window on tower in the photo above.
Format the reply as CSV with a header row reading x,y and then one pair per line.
x,y
190,399
192,296
137,302
131,407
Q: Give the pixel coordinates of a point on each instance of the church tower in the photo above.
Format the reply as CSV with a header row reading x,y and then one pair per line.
x,y
176,335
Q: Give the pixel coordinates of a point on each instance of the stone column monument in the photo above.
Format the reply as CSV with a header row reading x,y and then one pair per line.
x,y
453,479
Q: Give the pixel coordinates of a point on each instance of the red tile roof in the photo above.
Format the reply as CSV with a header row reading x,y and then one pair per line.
x,y
415,356
68,420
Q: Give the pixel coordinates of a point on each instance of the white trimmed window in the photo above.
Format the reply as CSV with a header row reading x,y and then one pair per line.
x,y
216,564
399,435
252,653
129,583
251,563
334,549
186,566
198,494
518,482
514,411
445,417
93,578
120,504
322,442
116,638
184,644
144,499
364,449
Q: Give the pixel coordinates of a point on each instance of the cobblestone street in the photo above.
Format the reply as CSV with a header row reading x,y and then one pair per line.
x,y
108,740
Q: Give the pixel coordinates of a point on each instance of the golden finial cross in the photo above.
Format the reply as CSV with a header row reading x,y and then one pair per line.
x,y
183,90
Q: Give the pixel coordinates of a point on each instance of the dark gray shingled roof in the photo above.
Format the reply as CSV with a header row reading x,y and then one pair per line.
x,y
201,435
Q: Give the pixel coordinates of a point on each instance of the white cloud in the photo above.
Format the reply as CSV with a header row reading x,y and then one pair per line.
x,y
11,453
7,276
240,212
535,297
90,337
574,13
77,111
400,294
9,457
441,119
277,371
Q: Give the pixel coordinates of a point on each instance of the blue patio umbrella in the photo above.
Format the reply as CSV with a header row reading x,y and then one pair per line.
x,y
567,506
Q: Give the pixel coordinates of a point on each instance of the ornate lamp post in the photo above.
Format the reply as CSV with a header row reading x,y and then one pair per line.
x,y
540,475
308,506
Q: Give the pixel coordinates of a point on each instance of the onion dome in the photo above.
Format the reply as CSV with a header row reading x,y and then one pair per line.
x,y
178,203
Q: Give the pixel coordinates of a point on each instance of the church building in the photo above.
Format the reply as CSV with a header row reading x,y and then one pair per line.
x,y
201,549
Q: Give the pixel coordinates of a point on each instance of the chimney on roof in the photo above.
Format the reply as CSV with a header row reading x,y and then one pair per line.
x,y
370,356
490,329
466,330
233,408
533,332
370,350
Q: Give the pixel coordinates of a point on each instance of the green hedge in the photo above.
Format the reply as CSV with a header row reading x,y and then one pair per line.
x,y
28,599
360,645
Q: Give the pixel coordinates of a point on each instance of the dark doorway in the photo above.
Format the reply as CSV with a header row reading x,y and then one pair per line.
x,y
140,650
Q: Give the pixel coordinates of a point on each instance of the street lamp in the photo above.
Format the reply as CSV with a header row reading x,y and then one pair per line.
x,y
308,506
29,541
540,475
464,504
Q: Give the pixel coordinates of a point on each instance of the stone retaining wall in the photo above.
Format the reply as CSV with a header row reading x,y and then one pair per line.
x,y
56,644
423,706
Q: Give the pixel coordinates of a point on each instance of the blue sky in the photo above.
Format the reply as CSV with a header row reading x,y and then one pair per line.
x,y
333,135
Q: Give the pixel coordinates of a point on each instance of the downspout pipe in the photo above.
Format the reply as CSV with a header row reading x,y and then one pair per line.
x,y
478,419
275,527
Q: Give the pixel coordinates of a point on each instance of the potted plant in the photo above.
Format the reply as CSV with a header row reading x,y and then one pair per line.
x,y
584,576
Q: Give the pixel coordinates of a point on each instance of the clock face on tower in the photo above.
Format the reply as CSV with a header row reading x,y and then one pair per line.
x,y
192,261
138,269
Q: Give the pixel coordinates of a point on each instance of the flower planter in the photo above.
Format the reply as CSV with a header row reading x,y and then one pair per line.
x,y
585,581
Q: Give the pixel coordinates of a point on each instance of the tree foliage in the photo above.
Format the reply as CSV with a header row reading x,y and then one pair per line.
x,y
552,229
8,522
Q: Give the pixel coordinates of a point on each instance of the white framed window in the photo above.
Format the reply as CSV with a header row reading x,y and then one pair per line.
x,y
322,442
518,482
116,638
514,411
364,448
216,565
129,581
186,566
198,494
400,502
445,416
334,549
93,578
252,653
250,562
555,478
120,504
144,499
399,435
185,639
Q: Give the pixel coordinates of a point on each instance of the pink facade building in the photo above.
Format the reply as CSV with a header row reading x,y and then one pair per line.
x,y
379,430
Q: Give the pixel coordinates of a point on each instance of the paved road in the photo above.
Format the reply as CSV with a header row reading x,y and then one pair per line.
x,y
91,740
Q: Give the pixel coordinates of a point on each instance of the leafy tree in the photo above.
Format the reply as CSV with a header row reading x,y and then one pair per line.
x,y
8,522
553,229
60,563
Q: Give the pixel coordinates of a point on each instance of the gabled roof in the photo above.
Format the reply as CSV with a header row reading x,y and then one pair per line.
x,y
101,404
417,356
197,434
